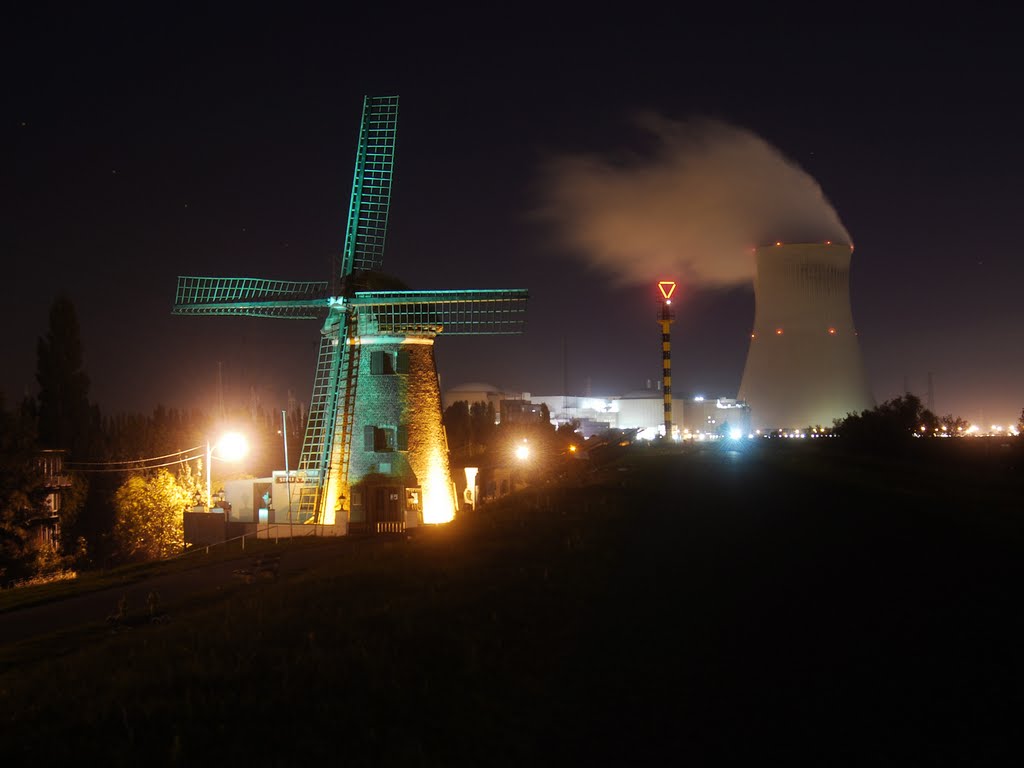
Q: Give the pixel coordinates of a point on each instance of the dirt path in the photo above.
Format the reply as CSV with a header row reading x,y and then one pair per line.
x,y
93,608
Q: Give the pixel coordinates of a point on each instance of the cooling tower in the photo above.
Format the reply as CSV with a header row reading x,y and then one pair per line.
x,y
804,366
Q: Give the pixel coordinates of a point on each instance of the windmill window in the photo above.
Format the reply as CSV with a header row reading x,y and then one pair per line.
x,y
381,363
379,439
387,363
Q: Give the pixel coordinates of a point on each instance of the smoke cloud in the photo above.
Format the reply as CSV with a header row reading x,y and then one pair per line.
x,y
691,208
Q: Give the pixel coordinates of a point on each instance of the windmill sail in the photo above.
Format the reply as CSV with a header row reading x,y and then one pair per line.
x,y
371,186
250,296
460,312
328,432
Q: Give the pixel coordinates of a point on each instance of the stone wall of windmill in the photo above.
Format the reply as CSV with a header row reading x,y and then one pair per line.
x,y
399,474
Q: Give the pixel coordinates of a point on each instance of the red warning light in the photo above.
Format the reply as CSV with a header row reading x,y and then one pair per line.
x,y
667,288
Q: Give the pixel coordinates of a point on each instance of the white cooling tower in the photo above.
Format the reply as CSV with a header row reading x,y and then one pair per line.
x,y
804,366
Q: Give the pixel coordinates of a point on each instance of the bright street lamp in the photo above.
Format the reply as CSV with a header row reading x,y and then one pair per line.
x,y
232,446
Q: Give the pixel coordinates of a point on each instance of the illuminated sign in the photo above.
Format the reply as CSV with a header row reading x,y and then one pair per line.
x,y
667,288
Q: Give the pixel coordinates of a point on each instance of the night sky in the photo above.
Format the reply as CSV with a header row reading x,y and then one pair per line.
x,y
140,148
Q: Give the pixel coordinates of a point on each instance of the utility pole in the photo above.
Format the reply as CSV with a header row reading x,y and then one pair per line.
x,y
287,472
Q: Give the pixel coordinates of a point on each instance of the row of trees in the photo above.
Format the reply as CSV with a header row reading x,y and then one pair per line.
x,y
105,516
896,420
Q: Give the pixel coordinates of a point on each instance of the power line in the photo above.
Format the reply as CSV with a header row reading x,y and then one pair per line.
x,y
182,460
128,461
130,465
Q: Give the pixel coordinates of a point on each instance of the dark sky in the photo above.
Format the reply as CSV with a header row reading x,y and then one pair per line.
x,y
140,148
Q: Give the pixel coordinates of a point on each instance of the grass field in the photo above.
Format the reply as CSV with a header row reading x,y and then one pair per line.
x,y
706,605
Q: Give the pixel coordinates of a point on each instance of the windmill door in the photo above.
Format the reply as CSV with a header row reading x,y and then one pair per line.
x,y
385,511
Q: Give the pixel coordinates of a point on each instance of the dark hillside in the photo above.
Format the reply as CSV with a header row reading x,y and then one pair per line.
x,y
706,605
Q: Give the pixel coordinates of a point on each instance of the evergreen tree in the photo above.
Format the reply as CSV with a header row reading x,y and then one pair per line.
x,y
66,419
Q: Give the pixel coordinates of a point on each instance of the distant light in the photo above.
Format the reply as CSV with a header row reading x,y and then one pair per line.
x,y
778,331
828,242
778,243
572,449
832,331
735,433
698,398
522,452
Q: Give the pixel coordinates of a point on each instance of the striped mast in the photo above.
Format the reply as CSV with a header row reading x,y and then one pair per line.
x,y
665,318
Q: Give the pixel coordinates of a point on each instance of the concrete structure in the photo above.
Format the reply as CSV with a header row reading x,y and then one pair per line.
x,y
804,365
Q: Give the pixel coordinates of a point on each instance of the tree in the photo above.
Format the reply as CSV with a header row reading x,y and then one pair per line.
x,y
66,419
456,425
149,516
1020,423
891,423
953,425
481,423
22,500
545,415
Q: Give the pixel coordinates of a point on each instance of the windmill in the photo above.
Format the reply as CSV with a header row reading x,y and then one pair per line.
x,y
374,456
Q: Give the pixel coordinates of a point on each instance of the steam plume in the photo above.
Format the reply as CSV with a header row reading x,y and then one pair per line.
x,y
692,208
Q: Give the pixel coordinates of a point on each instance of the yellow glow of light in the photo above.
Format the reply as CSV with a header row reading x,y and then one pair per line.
x,y
522,452
778,331
572,449
438,504
832,331
232,447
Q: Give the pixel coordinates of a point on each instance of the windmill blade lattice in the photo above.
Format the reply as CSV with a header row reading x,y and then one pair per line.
x,y
251,297
459,312
371,186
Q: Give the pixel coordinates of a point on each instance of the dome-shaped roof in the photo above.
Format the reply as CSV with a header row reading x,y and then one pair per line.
x,y
639,394
475,386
